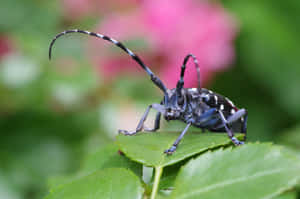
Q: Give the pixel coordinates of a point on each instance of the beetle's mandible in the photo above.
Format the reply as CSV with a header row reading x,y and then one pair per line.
x,y
199,107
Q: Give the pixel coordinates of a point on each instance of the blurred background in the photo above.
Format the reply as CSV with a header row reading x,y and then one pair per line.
x,y
54,113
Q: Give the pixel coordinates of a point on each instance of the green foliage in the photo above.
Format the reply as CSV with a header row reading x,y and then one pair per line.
x,y
109,157
250,171
107,183
290,138
105,157
268,47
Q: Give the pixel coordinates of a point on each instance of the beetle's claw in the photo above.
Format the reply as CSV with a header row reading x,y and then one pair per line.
x,y
125,132
171,150
237,142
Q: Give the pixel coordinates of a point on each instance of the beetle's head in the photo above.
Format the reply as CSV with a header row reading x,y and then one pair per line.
x,y
174,105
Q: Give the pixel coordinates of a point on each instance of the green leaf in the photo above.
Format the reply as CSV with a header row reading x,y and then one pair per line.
x,y
107,183
148,148
105,157
249,171
108,157
169,175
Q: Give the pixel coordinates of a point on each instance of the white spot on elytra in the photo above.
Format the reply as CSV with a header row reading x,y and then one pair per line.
x,y
222,107
193,89
216,99
210,92
232,111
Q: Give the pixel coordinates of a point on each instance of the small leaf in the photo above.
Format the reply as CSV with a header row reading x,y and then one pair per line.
x,y
250,171
148,148
107,183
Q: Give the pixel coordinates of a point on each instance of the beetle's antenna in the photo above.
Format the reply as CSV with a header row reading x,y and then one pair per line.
x,y
196,65
153,77
183,67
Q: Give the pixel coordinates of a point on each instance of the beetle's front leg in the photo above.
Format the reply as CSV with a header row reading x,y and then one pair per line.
x,y
140,126
156,123
173,148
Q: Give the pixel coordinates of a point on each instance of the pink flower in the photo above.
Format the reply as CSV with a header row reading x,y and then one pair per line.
x,y
201,28
112,61
169,29
6,46
76,9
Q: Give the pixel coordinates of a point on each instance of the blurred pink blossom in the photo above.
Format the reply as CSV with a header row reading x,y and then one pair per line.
x,y
197,27
76,9
6,46
169,29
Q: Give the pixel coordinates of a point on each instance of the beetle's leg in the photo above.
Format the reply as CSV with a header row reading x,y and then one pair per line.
x,y
240,114
229,131
244,127
156,123
140,126
236,116
175,144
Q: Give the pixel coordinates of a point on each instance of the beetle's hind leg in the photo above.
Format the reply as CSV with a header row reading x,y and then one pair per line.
x,y
244,127
229,131
242,115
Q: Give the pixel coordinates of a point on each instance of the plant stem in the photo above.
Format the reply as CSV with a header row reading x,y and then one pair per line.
x,y
158,172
